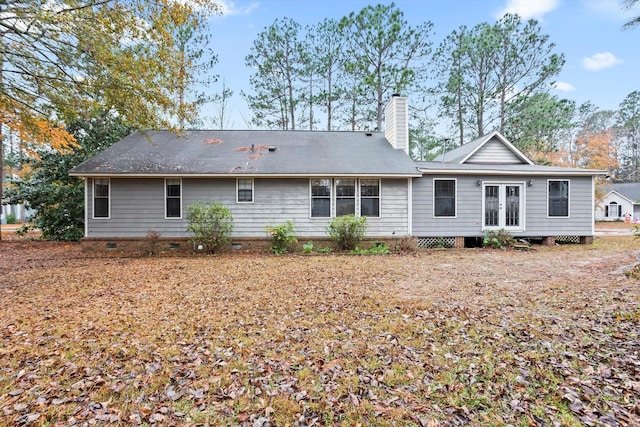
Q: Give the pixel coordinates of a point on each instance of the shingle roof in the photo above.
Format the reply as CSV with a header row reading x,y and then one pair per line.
x,y
630,190
229,152
463,152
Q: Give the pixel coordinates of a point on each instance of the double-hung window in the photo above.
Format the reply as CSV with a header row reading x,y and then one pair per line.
x,y
173,195
444,197
321,197
245,190
101,197
370,197
558,200
345,197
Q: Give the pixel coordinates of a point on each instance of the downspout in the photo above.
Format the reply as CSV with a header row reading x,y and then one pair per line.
x,y
410,206
593,205
86,207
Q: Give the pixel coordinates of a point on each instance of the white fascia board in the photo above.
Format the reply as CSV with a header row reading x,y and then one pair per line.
x,y
417,174
510,173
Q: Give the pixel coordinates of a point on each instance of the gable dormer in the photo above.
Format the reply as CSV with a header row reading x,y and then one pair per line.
x,y
491,149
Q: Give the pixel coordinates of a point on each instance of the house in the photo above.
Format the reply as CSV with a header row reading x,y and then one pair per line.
x,y
488,184
146,181
620,203
14,213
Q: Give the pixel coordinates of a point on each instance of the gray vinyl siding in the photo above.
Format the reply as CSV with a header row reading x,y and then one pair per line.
x,y
494,152
468,220
138,206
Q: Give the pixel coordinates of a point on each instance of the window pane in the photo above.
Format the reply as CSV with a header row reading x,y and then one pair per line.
x,y
345,206
445,188
445,207
370,197
173,190
245,196
173,208
321,207
245,190
101,198
558,198
321,197
321,187
102,188
369,188
444,198
173,198
101,208
370,207
345,197
345,188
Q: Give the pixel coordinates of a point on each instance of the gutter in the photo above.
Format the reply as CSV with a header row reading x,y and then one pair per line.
x,y
503,172
245,175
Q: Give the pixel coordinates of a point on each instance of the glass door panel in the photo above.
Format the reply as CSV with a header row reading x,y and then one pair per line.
x,y
491,205
512,212
503,206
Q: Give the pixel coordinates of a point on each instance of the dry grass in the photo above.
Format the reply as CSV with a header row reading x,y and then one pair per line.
x,y
475,337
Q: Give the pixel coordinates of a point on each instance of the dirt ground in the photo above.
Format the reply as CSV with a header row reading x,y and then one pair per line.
x,y
545,337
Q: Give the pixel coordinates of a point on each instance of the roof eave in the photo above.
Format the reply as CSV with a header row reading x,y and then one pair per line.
x,y
417,174
507,173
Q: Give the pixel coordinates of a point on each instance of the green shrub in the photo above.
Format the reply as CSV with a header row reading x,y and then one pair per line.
x,y
307,248
347,231
498,239
11,218
282,237
211,224
378,248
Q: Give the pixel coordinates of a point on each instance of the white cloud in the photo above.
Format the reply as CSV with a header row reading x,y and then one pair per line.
x,y
608,8
528,9
600,60
229,8
563,87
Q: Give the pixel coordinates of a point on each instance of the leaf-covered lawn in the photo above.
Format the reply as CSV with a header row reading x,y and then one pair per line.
x,y
456,337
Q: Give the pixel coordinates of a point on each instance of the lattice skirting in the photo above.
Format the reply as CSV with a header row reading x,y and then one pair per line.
x,y
436,242
567,239
450,242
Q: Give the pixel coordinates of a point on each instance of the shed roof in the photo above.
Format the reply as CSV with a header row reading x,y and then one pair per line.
x,y
250,152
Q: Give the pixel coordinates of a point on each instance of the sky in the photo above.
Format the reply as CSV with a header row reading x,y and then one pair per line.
x,y
602,60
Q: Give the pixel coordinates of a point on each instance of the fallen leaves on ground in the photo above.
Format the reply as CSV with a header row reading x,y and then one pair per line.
x,y
458,337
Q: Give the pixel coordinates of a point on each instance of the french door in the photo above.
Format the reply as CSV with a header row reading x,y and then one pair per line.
x,y
503,206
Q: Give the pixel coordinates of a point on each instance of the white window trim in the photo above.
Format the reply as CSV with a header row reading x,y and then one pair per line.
x,y
331,204
93,200
359,196
238,190
356,199
523,208
618,209
568,199
455,201
166,197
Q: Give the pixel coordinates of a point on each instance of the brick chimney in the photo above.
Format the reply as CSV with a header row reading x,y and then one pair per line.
x,y
396,123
